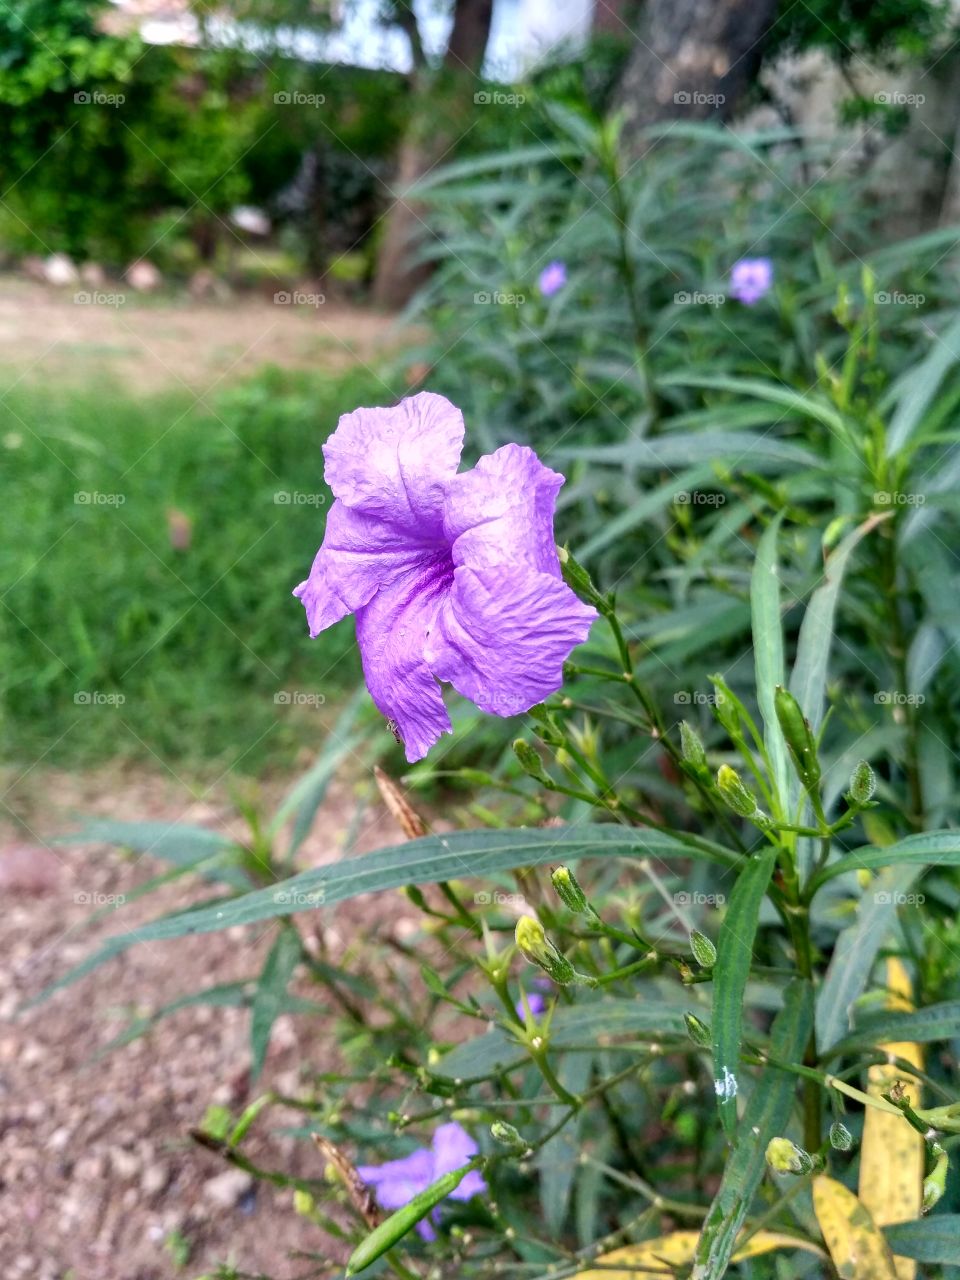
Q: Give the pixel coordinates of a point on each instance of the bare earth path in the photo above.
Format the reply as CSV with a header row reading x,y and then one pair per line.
x,y
98,1178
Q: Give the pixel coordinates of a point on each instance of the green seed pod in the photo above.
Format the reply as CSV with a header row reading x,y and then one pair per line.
x,y
691,747
530,762
740,800
863,784
935,1183
784,1156
569,891
415,896
704,952
534,945
799,738
841,1139
394,1228
698,1031
508,1136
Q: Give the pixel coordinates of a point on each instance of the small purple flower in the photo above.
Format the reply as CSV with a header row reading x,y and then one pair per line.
x,y
451,577
552,278
398,1181
750,279
536,998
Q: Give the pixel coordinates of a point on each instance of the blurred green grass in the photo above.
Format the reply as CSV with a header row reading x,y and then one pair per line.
x,y
99,600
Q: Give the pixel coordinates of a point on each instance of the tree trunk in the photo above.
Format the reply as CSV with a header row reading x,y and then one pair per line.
x,y
443,106
693,60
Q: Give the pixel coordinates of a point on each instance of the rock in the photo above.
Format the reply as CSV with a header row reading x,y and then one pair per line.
x,y
251,219
154,1179
60,271
228,1188
28,869
93,275
143,276
124,1163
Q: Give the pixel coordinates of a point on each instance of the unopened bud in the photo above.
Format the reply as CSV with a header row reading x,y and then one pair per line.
x,y
935,1183
415,896
691,748
508,1136
534,945
704,952
799,737
841,1139
530,762
303,1203
740,800
576,577
569,891
863,784
698,1031
784,1156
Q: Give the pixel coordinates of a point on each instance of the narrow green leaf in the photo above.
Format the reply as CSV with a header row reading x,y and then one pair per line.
x,y
730,974
768,648
931,848
652,503
271,990
916,389
179,844
559,1159
934,1239
920,1026
766,1116
796,402
474,854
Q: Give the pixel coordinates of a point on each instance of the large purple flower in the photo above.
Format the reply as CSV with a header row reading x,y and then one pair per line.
x,y
451,577
398,1181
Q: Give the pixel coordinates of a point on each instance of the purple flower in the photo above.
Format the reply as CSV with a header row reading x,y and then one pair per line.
x,y
750,279
451,577
398,1181
536,998
552,278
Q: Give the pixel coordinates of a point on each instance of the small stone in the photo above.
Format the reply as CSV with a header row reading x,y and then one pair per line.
x,y
58,269
154,1179
228,1188
124,1163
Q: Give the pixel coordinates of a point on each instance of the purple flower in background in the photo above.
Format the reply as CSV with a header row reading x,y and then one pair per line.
x,y
451,577
552,278
750,279
536,999
398,1181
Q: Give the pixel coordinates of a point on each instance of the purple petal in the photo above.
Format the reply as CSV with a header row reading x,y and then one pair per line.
x,y
472,1185
503,636
394,463
392,632
501,512
359,555
452,1148
552,278
398,1181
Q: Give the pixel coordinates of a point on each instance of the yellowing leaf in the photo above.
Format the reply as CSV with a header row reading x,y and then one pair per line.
x,y
892,1154
857,1247
655,1259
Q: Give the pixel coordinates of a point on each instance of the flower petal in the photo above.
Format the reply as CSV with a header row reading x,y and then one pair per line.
x,y
501,512
393,463
452,1148
398,1181
360,553
391,633
503,636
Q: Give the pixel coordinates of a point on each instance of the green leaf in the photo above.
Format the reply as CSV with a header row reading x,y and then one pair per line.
x,y
559,1159
271,992
652,502
766,1116
931,848
796,402
915,390
684,449
730,974
768,648
920,1026
474,854
578,1025
934,1239
181,845
856,950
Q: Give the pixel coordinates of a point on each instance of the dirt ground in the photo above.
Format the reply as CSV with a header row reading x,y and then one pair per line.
x,y
100,1180
154,342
